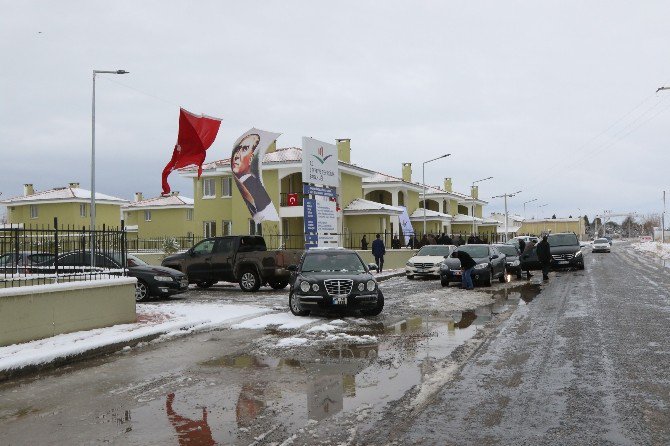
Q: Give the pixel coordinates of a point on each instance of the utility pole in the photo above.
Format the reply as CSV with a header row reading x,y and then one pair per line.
x,y
506,213
663,221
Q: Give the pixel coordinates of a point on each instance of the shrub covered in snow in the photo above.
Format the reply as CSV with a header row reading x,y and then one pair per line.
x,y
170,246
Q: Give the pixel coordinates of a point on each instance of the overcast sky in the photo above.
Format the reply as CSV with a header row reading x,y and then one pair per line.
x,y
556,98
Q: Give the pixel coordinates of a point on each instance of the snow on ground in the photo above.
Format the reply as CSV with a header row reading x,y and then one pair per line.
x,y
282,321
168,320
659,249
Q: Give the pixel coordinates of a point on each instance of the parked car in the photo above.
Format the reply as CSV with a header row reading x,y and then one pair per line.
x,y
491,264
513,264
157,281
427,261
20,262
242,259
608,238
526,238
334,280
601,245
565,250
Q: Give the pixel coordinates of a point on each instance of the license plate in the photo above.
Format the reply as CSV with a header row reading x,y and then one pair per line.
x,y
184,283
563,262
339,300
457,273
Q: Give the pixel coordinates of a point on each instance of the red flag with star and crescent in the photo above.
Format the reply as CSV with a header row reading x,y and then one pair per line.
x,y
196,135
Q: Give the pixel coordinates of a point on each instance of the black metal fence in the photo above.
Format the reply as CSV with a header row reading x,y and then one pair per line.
x,y
45,255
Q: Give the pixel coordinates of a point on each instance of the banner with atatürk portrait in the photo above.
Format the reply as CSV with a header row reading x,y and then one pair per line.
x,y
246,163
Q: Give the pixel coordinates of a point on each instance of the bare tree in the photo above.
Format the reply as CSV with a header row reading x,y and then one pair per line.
x,y
649,222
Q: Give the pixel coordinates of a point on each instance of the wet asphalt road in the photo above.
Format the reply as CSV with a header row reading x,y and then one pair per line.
x,y
581,360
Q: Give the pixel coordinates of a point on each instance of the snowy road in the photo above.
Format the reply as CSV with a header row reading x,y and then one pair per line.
x,y
583,357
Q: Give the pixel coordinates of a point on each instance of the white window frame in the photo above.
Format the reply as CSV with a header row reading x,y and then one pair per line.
x,y
147,215
255,228
82,210
208,188
34,212
226,227
189,214
226,183
209,229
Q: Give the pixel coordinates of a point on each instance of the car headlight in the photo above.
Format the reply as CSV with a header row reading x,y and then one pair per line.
x,y
361,286
163,278
304,286
371,285
481,265
315,287
579,254
410,264
516,263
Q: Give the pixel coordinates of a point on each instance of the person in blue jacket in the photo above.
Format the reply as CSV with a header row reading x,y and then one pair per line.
x,y
378,250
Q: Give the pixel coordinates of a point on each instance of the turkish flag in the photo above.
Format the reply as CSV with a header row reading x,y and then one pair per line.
x,y
196,135
292,199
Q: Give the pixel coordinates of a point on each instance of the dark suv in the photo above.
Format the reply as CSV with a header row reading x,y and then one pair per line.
x,y
334,280
565,253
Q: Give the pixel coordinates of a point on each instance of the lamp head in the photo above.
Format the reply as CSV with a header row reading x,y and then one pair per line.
x,y
121,72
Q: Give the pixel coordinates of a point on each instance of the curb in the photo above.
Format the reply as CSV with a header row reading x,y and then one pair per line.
x,y
391,276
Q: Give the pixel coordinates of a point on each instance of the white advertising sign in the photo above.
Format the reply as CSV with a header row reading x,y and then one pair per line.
x,y
319,162
326,222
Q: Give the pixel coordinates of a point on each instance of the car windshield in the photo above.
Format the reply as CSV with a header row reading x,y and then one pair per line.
x,y
475,250
435,250
563,240
508,250
344,261
602,240
5,259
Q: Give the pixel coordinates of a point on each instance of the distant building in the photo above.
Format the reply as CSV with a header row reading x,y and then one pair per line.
x,y
71,205
157,217
554,225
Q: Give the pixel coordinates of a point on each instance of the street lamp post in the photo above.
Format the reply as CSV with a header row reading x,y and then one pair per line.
x,y
92,205
506,215
472,208
542,205
423,180
663,221
524,206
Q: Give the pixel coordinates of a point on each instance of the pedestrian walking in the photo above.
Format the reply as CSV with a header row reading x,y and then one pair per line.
x,y
364,243
522,245
544,256
378,251
527,251
467,265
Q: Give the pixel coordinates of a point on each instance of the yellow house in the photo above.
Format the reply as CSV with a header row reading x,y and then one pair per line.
x,y
158,217
70,205
554,225
220,210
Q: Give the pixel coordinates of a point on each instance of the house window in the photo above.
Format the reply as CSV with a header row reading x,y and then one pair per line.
x,y
227,227
82,210
255,228
189,214
208,188
209,229
33,211
227,187
147,215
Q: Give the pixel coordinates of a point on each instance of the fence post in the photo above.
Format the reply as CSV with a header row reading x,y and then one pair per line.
x,y
56,247
16,250
124,260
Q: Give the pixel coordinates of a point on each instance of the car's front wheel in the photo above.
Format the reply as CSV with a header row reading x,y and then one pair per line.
x,y
294,305
444,282
249,281
503,276
378,309
489,277
141,291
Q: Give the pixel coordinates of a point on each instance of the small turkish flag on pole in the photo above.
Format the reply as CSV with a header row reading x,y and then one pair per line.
x,y
196,135
292,199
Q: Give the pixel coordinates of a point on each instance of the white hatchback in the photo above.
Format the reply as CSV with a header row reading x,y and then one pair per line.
x,y
601,245
427,261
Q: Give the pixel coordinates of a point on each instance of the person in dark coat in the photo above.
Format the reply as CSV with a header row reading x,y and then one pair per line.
x,y
522,245
467,265
395,243
378,251
447,240
364,243
458,241
471,240
424,241
528,250
544,256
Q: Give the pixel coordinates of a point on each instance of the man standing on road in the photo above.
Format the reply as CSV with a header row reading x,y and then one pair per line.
x,y
378,250
522,245
467,265
527,251
544,256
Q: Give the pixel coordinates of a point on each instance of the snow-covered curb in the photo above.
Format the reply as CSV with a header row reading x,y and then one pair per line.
x,y
166,321
77,285
659,249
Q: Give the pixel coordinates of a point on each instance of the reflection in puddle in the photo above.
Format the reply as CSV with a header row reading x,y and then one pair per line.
x,y
323,381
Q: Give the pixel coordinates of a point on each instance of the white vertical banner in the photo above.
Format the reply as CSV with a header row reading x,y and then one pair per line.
x,y
326,222
319,163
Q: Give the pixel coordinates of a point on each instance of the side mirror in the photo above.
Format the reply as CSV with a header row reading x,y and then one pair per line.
x,y
494,256
191,252
373,267
292,268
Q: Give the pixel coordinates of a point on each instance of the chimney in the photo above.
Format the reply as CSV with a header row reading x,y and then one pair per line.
x,y
174,193
474,192
407,172
138,196
28,190
344,150
74,185
447,185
